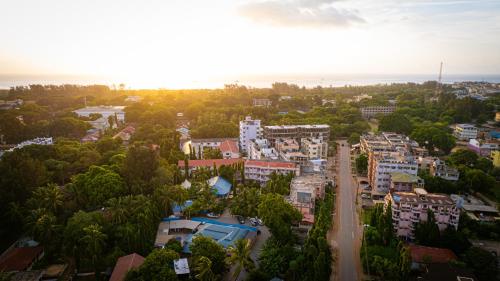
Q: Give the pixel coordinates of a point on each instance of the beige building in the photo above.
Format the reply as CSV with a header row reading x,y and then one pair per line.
x,y
314,148
273,133
304,190
372,111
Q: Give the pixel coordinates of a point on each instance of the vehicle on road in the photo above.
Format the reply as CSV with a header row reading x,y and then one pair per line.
x,y
259,221
240,219
213,215
365,196
253,221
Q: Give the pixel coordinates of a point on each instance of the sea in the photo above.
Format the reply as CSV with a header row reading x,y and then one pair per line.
x,y
257,81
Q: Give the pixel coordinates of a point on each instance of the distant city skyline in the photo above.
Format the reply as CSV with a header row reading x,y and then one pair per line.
x,y
180,43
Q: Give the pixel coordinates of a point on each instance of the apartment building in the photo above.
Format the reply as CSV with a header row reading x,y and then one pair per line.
x,y
402,182
314,148
249,130
372,111
440,169
304,190
285,145
465,132
383,164
260,149
410,208
260,170
273,133
482,148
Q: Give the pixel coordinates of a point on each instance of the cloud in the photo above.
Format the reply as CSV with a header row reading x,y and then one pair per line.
x,y
306,13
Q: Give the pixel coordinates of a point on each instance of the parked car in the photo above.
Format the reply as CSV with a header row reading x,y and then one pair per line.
x,y
253,221
213,215
365,196
240,219
259,221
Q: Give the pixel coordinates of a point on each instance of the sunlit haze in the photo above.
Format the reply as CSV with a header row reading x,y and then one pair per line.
x,y
189,43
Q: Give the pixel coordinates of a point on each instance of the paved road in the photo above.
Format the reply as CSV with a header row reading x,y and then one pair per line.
x,y
347,235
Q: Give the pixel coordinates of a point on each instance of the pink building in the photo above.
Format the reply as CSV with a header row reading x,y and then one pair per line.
x,y
410,208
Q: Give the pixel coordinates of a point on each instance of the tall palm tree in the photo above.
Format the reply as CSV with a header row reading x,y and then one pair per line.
x,y
168,195
49,197
240,256
94,241
204,269
118,210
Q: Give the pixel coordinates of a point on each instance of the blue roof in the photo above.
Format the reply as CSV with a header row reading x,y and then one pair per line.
x,y
179,208
495,134
221,185
224,235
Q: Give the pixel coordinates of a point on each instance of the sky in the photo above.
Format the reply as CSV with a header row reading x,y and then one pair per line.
x,y
179,42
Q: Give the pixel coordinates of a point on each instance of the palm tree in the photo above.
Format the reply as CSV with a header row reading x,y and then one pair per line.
x,y
240,256
94,241
167,195
49,197
204,269
119,211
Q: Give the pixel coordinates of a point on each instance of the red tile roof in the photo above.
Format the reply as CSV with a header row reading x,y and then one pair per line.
x,y
421,254
20,259
270,164
124,264
229,146
209,162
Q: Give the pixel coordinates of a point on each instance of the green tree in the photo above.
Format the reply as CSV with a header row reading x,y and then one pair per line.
x,y
427,232
483,263
212,153
278,183
207,247
140,164
278,215
397,123
156,266
203,270
362,164
463,157
239,255
354,138
246,202
97,185
167,196
49,197
94,242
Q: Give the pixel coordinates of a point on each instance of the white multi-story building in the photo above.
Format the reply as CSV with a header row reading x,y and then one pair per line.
x,y
260,149
249,130
314,148
260,170
372,111
410,208
104,110
465,132
383,164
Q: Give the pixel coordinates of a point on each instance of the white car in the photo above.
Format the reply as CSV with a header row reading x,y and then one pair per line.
x,y
212,215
